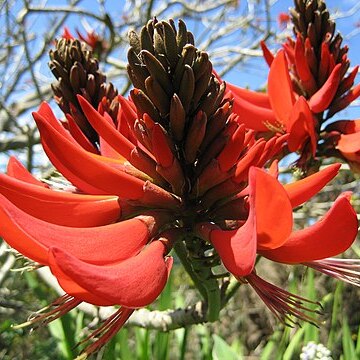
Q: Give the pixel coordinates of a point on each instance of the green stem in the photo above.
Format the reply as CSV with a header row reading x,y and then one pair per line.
x,y
184,343
182,255
213,299
233,288
203,280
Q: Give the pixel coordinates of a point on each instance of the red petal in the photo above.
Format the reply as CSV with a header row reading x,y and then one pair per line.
x,y
342,102
232,150
47,114
74,289
237,248
60,207
107,150
103,244
118,141
254,97
83,170
128,111
302,190
249,159
274,170
67,34
253,116
161,148
301,126
133,283
302,67
18,171
280,88
268,225
321,100
79,136
265,156
324,68
330,236
268,55
344,126
349,144
273,210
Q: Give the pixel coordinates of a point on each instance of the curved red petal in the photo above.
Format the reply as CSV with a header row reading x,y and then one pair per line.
x,y
280,88
349,143
128,110
268,55
236,248
60,207
232,150
344,126
321,100
253,116
251,157
18,171
301,126
70,158
257,98
73,289
161,149
302,190
107,150
79,136
47,114
273,209
98,245
133,283
118,141
274,170
330,236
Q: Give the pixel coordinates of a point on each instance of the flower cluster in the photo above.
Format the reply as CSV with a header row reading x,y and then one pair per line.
x,y
173,167
307,85
313,351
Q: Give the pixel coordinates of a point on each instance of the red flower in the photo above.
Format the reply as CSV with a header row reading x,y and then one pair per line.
x,y
268,232
343,140
283,19
95,42
67,34
281,110
307,85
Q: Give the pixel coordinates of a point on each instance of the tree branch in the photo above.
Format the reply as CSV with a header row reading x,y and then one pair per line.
x,y
159,320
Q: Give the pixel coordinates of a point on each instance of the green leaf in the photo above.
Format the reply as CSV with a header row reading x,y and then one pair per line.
x,y
311,331
222,350
334,328
61,330
294,345
347,342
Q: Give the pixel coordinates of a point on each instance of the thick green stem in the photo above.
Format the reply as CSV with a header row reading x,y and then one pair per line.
x,y
213,299
203,279
182,255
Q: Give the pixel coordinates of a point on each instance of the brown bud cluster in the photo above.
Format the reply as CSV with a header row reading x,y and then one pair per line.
x,y
77,72
176,90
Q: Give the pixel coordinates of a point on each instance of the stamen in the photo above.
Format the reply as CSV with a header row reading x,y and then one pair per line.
x,y
28,266
277,127
56,309
347,270
106,331
283,304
